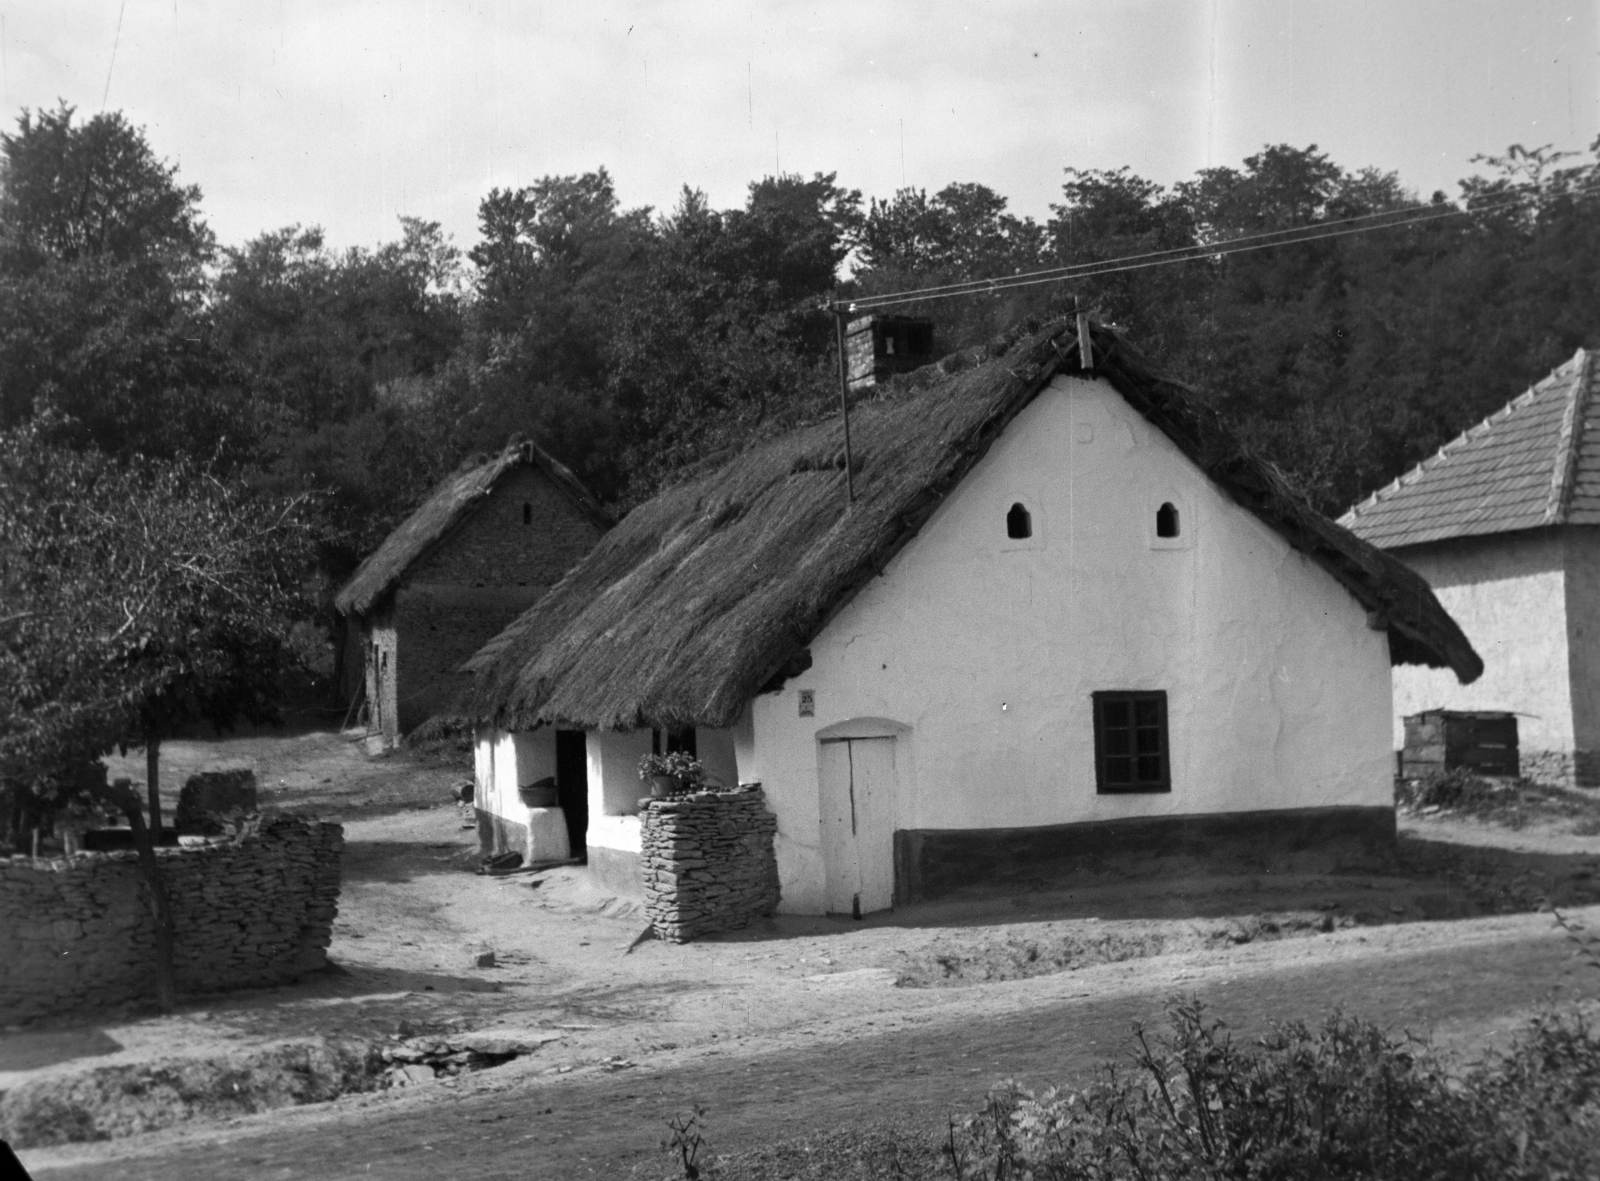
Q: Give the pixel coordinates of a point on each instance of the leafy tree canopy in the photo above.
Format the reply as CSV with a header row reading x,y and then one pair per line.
x,y
134,597
92,190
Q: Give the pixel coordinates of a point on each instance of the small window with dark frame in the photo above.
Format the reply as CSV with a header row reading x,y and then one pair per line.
x,y
1019,524
1130,742
527,513
1167,520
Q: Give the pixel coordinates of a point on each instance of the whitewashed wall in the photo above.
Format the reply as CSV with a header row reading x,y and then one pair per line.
x,y
502,762
1582,545
988,649
1508,592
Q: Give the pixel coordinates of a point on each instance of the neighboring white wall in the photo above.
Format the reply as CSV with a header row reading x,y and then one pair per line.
x,y
503,762
716,751
1508,594
988,649
1582,546
614,787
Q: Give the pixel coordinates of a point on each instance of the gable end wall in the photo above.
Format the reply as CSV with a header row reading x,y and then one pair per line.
x,y
989,649
488,570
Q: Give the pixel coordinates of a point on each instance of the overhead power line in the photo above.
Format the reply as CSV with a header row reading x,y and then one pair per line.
x,y
1365,223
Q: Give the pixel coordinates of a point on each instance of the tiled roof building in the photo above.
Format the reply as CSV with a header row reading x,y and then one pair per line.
x,y
1502,522
1533,464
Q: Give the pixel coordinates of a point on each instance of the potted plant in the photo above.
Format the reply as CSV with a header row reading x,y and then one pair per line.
x,y
671,774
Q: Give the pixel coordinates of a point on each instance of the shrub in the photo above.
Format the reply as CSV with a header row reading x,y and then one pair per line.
x,y
1346,1100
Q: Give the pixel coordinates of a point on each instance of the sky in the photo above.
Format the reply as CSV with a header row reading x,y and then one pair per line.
x,y
350,114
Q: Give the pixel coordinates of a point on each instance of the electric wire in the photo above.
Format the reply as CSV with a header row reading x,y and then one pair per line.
x,y
1342,227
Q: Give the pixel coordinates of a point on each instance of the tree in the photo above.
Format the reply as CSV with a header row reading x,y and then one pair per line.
x,y
321,333
102,284
721,338
95,190
137,596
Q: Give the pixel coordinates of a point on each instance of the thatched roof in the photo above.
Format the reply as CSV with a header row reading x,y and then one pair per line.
x,y
449,504
705,595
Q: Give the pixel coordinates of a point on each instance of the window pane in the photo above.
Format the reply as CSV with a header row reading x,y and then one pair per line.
x,y
1149,742
1144,713
1119,770
1149,769
1117,742
1114,713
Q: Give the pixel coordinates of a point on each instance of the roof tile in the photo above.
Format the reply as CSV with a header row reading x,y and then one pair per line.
x,y
1535,461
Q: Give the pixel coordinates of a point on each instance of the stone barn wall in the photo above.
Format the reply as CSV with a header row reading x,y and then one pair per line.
x,y
708,862
251,910
499,560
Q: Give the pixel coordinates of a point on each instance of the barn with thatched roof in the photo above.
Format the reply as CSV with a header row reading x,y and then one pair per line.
x,y
1066,617
1504,524
486,544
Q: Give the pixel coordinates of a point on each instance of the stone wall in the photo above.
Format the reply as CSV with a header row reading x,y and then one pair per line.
x,y
493,546
437,627
1561,768
494,564
707,861
250,910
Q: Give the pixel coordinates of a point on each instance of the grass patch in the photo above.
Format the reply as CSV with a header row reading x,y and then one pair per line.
x,y
1510,803
116,1101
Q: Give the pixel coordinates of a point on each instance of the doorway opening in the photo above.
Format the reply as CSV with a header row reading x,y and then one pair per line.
x,y
572,787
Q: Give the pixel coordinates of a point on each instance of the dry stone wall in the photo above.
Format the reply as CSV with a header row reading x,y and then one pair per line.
x,y
708,862
250,910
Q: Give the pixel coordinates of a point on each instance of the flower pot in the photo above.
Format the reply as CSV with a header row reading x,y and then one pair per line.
x,y
665,785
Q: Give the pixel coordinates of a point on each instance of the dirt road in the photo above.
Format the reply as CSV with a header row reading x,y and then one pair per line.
x,y
1463,986
796,1024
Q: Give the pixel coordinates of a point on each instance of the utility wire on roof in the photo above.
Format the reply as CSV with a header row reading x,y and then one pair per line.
x,y
1340,228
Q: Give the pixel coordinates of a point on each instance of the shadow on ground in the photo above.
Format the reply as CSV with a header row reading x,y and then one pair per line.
x,y
34,1049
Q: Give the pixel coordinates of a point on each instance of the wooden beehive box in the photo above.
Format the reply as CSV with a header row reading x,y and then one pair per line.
x,y
1441,740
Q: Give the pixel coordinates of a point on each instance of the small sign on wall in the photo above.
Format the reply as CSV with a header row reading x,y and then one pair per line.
x,y
808,703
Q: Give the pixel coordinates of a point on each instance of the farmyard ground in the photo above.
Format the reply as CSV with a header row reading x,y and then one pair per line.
x,y
797,1024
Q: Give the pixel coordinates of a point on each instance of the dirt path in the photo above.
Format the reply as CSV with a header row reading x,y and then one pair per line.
x,y
796,1023
1464,990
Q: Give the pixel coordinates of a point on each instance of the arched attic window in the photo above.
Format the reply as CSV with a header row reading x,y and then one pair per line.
x,y
1167,520
1019,525
527,512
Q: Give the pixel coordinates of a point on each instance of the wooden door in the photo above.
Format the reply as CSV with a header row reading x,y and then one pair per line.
x,y
857,797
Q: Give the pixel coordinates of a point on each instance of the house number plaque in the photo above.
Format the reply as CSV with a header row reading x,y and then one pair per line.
x,y
808,703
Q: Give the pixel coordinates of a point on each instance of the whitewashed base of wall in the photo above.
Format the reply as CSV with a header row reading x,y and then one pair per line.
x,y
539,834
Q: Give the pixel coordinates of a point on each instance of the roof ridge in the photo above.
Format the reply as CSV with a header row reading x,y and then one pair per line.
x,y
1564,473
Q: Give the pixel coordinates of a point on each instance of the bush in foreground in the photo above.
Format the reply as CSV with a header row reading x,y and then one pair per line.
x,y
1346,1100
1342,1101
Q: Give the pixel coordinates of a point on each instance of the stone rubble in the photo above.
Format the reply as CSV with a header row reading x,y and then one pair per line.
x,y
708,862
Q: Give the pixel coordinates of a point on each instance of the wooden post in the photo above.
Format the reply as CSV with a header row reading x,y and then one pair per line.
x,y
840,315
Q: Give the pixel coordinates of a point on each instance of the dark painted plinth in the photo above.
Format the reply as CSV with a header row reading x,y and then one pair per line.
x,y
616,870
930,863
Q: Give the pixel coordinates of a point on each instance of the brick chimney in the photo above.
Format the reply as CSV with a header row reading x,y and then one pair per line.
x,y
879,346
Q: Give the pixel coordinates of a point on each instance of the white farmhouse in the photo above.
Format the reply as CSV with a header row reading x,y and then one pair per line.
x,y
1504,523
1065,618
